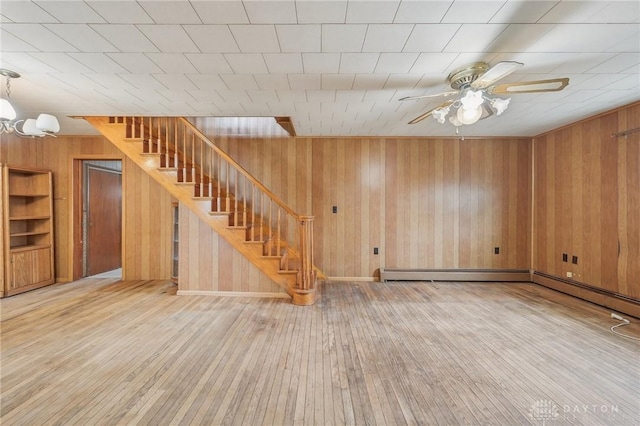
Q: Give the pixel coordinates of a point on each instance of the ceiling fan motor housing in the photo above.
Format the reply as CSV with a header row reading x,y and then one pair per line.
x,y
463,77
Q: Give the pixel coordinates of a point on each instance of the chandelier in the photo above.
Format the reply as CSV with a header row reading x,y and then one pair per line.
x,y
44,125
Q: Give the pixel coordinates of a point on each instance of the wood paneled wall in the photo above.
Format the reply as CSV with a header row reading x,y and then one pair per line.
x,y
425,203
209,263
147,206
587,202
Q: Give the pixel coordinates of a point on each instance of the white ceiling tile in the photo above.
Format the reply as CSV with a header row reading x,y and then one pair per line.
x,y
433,63
110,80
464,59
169,38
518,37
11,43
395,62
207,82
263,96
321,63
246,63
61,62
239,81
82,36
175,97
320,12
620,63
98,62
234,96
624,11
378,95
206,96
581,62
402,81
337,81
630,44
283,63
127,38
305,81
430,38
22,62
522,12
321,95
469,11
221,12
71,11
175,81
142,81
135,63
369,81
272,81
584,38
358,62
271,12
172,63
598,81
289,96
121,12
475,38
39,37
170,12
414,12
256,38
25,12
365,11
209,63
299,38
573,11
386,37
78,81
212,38
630,82
343,38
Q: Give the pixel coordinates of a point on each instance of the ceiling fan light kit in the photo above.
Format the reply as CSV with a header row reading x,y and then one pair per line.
x,y
44,125
475,89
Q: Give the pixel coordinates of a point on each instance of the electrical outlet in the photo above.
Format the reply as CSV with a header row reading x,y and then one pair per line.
x,y
496,250
569,274
334,209
375,250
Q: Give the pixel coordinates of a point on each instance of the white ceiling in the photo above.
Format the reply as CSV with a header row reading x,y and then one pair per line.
x,y
335,67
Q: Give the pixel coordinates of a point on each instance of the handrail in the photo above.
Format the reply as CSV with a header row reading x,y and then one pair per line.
x,y
234,192
230,160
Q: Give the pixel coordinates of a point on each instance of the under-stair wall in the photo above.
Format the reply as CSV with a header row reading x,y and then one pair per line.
x,y
222,194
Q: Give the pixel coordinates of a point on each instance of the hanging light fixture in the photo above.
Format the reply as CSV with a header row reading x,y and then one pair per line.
x,y
469,107
44,125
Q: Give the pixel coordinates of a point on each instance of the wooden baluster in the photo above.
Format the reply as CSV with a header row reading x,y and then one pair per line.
x,y
278,234
227,204
261,216
176,145
304,293
184,154
159,133
202,167
253,212
244,201
210,192
193,157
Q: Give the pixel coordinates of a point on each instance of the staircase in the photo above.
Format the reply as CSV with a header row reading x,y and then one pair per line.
x,y
221,193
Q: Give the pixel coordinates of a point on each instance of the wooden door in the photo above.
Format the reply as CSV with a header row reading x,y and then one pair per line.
x,y
104,221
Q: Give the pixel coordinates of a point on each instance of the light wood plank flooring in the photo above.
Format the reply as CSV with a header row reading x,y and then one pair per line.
x,y
111,352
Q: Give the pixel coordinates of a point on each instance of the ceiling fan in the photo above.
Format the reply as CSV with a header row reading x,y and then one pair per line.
x,y
474,89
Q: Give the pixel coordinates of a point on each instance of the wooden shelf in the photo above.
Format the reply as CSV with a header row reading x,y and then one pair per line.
x,y
27,229
30,217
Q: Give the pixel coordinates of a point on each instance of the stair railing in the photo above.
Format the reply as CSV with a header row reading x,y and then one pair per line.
x,y
233,191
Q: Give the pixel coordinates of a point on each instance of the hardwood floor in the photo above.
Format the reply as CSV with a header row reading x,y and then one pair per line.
x,y
102,351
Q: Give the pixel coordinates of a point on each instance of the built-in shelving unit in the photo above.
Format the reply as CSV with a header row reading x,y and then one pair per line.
x,y
27,237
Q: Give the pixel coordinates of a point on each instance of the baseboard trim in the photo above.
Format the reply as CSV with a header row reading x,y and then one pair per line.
x,y
499,275
599,296
358,279
263,295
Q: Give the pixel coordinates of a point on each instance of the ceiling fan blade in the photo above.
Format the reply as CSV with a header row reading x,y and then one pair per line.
x,y
553,85
495,73
412,98
428,113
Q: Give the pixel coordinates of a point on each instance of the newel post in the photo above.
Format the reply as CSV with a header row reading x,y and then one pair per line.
x,y
304,293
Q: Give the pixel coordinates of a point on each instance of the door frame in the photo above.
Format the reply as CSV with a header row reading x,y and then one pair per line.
x,y
75,242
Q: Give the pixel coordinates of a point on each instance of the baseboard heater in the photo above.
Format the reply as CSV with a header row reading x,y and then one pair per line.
x,y
399,274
